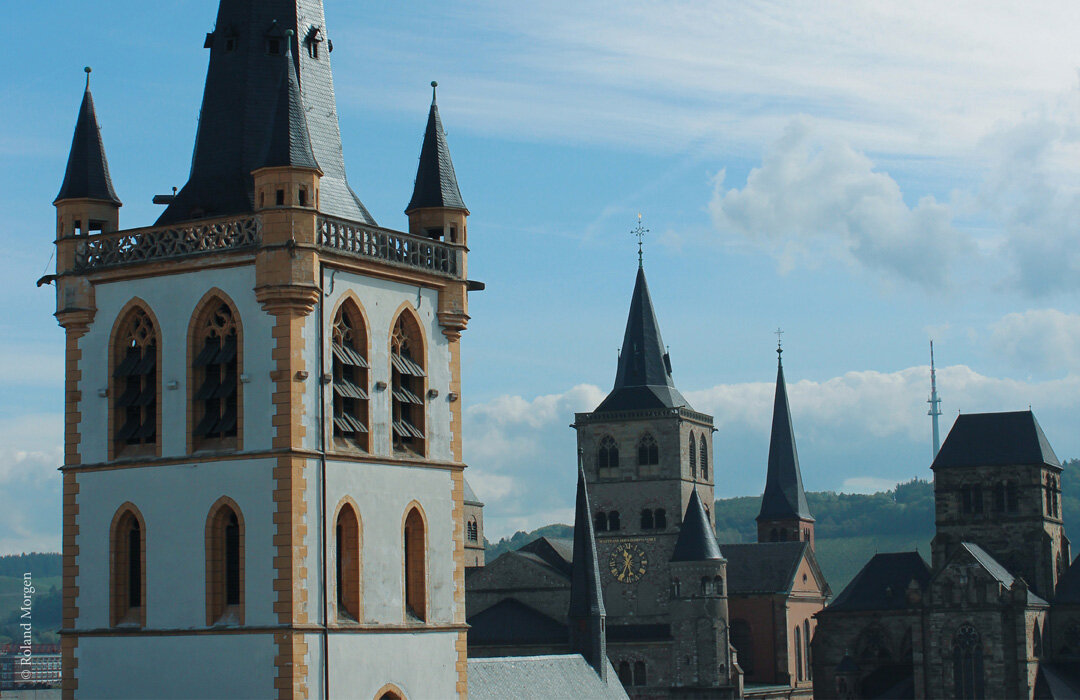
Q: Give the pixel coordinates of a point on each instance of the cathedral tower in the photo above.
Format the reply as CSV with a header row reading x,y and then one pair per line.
x,y
645,452
263,472
784,513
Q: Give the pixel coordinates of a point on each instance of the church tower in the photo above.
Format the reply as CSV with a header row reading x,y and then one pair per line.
x,y
785,515
645,451
262,475
586,616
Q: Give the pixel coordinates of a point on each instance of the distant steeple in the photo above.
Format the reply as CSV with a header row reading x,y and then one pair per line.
x,y
784,501
87,174
586,613
697,540
238,109
643,379
289,144
436,183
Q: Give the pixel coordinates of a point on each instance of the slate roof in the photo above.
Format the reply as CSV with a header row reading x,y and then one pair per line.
x,y
586,595
1068,590
238,108
436,183
643,379
764,567
784,496
996,570
882,583
995,440
470,495
529,677
557,552
512,622
87,173
289,142
697,540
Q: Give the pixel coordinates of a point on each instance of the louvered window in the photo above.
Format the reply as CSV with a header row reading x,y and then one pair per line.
x,y
407,386
135,379
350,379
215,370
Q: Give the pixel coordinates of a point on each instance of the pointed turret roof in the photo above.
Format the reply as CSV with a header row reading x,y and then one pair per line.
x,y
290,142
643,379
87,174
586,596
436,183
784,496
697,541
239,107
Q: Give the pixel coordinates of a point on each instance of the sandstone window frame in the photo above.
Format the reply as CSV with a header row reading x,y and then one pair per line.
x,y
215,401
408,385
225,564
135,378
414,563
348,563
350,379
127,567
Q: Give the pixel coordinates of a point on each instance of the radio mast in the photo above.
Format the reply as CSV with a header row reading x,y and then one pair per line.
x,y
934,401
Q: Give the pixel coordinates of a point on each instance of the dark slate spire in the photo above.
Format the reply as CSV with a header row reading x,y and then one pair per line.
x,y
239,106
586,614
87,174
290,143
436,184
643,379
784,497
697,541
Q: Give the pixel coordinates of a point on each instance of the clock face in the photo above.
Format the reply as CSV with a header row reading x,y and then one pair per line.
x,y
628,562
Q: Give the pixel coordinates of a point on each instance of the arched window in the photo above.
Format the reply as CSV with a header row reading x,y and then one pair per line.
x,y
347,539
225,564
999,497
718,585
742,640
646,519
659,519
693,457
1012,497
648,452
639,673
706,585
613,520
135,378
968,663
128,557
1049,496
349,346
1057,495
806,647
704,455
407,385
625,677
798,654
608,456
676,587
415,542
600,522
472,529
215,377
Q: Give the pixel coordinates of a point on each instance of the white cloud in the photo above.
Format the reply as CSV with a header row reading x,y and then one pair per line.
x,y
30,485
1046,339
813,198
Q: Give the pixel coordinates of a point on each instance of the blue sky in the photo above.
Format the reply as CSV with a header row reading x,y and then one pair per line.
x,y
864,176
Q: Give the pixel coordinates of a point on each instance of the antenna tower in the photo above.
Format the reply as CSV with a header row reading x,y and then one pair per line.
x,y
934,401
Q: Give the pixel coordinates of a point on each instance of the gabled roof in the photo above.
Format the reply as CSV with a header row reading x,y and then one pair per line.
x,y
436,183
995,440
87,173
784,496
512,622
1068,590
528,677
998,572
882,583
238,109
470,495
586,594
643,379
697,541
289,141
768,567
556,551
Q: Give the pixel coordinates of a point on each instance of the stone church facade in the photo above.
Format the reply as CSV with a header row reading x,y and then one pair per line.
x,y
995,615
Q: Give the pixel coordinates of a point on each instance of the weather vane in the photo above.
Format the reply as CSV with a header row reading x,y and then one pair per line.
x,y
779,332
640,232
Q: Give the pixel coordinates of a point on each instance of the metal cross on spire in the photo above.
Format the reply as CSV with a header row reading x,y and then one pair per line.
x,y
640,232
779,346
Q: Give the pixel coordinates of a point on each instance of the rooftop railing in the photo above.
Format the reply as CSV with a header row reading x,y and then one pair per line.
x,y
393,247
158,243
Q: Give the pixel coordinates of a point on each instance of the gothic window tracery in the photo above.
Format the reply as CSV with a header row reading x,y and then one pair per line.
x,y
648,451
136,380
215,377
348,345
968,664
608,454
704,455
407,373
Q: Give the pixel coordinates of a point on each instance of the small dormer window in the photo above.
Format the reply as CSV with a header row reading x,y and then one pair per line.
x,y
312,40
275,40
273,46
